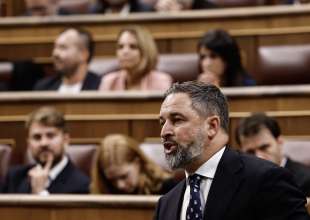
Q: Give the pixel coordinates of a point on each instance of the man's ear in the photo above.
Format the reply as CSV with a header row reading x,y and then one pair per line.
x,y
66,139
213,125
85,54
280,140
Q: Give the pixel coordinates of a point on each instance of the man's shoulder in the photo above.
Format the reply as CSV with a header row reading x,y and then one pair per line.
x,y
250,161
17,173
91,82
48,83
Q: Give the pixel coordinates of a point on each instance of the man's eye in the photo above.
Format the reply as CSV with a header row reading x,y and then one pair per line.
x,y
50,135
177,120
120,46
250,152
36,137
264,147
161,123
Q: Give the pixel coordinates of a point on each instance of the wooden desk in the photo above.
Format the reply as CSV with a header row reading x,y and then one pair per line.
x,y
33,37
92,115
76,207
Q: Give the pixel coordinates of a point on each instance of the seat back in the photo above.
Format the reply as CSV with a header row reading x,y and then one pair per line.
x,y
155,152
182,67
288,64
5,156
82,156
298,150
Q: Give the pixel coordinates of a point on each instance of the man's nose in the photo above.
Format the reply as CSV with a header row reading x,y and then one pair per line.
x,y
44,141
166,130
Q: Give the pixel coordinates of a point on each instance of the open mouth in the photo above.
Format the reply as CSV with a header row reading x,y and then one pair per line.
x,y
169,147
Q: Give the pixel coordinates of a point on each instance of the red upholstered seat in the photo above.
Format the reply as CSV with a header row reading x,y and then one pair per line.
x,y
298,150
288,64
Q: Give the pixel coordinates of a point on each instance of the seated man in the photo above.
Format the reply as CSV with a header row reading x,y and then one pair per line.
x,y
261,135
72,53
42,7
52,172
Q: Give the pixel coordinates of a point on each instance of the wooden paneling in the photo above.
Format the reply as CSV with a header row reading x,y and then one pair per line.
x,y
74,207
31,37
92,115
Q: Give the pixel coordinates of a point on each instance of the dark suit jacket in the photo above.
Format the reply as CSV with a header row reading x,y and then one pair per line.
x,y
203,4
243,188
70,180
134,6
91,82
301,173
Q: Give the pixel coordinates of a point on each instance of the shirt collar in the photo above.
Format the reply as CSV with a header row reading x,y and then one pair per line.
x,y
283,162
208,169
56,170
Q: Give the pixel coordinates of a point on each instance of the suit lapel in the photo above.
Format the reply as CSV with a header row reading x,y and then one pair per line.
x,y
175,202
24,186
226,181
59,184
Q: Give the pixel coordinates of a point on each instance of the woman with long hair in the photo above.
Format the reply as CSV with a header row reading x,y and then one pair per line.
x,y
121,167
220,60
137,56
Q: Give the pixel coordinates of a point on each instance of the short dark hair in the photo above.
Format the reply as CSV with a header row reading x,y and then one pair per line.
x,y
253,124
86,39
47,116
206,99
222,44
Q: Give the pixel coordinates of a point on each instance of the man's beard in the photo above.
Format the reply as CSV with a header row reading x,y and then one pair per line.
x,y
67,71
42,162
185,154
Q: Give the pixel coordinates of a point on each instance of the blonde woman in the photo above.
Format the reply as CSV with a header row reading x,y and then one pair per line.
x,y
137,56
121,167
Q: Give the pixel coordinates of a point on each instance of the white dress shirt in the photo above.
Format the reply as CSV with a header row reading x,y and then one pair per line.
x,y
70,89
207,170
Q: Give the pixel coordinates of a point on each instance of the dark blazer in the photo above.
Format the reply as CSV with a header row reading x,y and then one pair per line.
x,y
91,82
203,4
134,6
70,180
243,188
301,173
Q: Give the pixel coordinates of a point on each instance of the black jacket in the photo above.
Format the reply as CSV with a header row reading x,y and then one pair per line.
x,y
244,187
91,82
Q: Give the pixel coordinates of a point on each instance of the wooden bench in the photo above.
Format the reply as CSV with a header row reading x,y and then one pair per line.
x,y
92,115
18,207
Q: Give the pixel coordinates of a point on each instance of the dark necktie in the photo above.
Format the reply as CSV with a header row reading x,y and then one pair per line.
x,y
194,209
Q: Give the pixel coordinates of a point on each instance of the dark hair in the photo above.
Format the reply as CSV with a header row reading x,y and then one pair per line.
x,y
253,124
86,39
47,116
223,45
206,99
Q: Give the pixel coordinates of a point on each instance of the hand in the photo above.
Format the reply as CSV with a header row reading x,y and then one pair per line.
x,y
209,78
39,175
